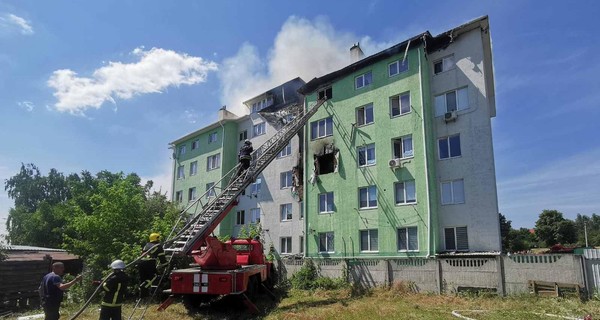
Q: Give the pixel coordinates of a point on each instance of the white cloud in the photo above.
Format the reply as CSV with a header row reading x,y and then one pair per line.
x,y
27,105
156,70
162,180
191,116
246,74
569,184
11,21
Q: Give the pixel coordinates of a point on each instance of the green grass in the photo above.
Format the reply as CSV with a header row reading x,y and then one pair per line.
x,y
395,303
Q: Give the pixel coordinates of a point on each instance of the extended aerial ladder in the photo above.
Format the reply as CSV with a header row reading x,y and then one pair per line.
x,y
201,224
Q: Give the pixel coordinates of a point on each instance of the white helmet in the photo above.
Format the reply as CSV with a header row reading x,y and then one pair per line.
x,y
247,141
117,265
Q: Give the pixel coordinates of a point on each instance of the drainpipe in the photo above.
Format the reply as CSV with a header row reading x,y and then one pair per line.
x,y
172,147
429,236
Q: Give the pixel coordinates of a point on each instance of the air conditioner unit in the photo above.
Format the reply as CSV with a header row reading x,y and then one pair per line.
x,y
395,163
450,116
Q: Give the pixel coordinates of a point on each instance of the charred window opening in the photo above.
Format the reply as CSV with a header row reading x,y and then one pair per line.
x,y
327,160
325,94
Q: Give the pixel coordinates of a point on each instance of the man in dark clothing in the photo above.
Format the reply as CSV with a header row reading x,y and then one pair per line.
x,y
114,292
245,156
147,267
51,290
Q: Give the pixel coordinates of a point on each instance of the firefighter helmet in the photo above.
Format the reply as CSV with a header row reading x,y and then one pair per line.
x,y
154,237
247,141
117,265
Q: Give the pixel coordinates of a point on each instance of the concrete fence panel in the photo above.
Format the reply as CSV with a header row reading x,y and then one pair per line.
x,y
422,273
466,273
368,273
330,268
562,268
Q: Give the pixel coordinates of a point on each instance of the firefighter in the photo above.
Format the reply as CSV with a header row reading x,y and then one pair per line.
x,y
147,267
114,292
245,156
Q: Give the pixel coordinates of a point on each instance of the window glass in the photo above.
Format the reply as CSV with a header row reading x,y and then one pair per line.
x,y
458,191
454,146
443,148
446,192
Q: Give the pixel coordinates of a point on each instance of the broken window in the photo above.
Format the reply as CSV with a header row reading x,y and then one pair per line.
x,y
327,160
325,94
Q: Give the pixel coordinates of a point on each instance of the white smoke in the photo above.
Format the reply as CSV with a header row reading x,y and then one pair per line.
x,y
302,48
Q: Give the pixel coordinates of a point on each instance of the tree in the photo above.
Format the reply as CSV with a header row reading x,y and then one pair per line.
x,y
505,228
552,228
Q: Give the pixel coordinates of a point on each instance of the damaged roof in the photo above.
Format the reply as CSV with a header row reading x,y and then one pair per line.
x,y
431,43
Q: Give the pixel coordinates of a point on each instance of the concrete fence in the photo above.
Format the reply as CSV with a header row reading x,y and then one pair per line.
x,y
500,274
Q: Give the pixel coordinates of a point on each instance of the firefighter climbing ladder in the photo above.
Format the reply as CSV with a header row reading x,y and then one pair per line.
x,y
201,224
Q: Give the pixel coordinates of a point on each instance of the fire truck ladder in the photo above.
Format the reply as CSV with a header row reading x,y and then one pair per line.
x,y
201,224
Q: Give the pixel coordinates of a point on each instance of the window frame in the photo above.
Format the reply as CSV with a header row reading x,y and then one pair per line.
x,y
324,93
364,114
215,160
288,245
363,78
368,188
407,239
193,168
254,219
329,246
449,146
402,140
455,234
182,150
286,151
255,187
289,215
290,180
213,137
327,200
192,194
240,216
315,128
195,144
400,62
262,125
458,102
243,135
405,202
210,188
369,240
179,196
444,67
181,172
452,183
365,149
400,113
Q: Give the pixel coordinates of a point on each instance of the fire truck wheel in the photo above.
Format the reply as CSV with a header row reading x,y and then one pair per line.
x,y
193,302
253,284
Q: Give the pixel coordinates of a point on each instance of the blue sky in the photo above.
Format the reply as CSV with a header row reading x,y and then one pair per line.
x,y
108,84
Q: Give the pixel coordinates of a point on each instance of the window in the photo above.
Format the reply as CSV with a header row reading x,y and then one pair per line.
x,y
453,192
180,174
408,239
301,242
451,101
240,217
321,128
182,150
192,194
285,180
195,144
367,197
193,168
286,245
400,104
286,211
259,129
210,190
456,238
369,240
363,80
255,187
443,64
398,67
326,242
243,135
257,106
301,210
449,147
405,192
212,137
255,215
179,196
324,94
366,155
213,162
286,151
364,115
403,147
326,202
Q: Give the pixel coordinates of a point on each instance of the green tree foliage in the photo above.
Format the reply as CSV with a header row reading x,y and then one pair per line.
x,y
592,224
99,217
505,227
552,228
521,240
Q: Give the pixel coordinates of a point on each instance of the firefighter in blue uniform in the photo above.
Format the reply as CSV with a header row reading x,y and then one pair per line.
x,y
147,267
114,292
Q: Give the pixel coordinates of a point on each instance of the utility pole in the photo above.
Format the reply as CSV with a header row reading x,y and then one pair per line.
x,y
585,232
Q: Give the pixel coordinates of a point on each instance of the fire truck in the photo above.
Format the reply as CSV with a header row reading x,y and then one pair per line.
x,y
237,266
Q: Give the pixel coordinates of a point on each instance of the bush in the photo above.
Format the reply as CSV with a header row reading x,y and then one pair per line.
x,y
307,278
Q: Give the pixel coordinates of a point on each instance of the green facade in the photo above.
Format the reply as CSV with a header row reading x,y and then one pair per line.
x,y
225,145
347,219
